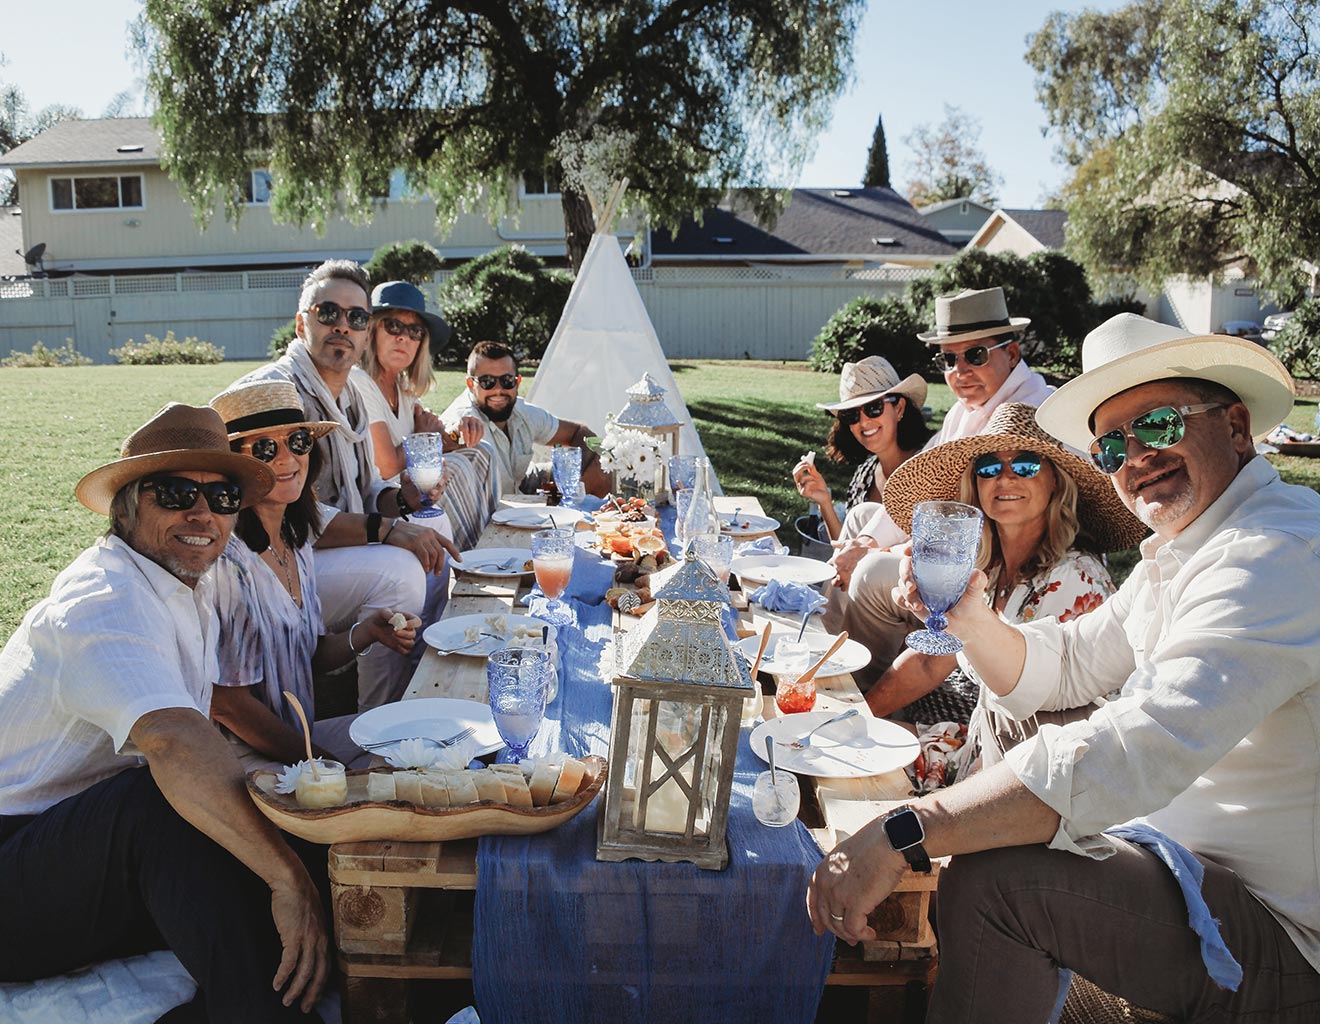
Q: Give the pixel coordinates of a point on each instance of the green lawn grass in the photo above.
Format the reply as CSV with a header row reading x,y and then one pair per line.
x,y
755,419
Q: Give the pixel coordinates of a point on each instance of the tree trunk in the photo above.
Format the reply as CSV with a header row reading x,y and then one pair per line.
x,y
579,225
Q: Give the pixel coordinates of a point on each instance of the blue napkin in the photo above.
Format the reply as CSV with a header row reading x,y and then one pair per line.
x,y
781,596
761,546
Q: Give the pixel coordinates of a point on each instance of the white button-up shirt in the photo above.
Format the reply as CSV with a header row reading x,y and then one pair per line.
x,y
512,441
118,637
1215,736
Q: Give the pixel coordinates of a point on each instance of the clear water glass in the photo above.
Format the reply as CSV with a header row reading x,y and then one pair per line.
x,y
945,539
552,560
425,456
776,798
566,464
518,689
716,550
683,472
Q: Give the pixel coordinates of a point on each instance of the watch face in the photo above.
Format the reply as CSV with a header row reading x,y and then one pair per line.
x,y
904,829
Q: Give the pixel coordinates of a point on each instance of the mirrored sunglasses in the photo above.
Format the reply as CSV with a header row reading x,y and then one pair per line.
x,y
417,332
266,448
328,313
487,381
976,355
1024,465
178,493
1160,428
873,409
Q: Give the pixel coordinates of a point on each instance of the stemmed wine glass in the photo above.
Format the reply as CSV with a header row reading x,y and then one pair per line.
x,y
552,559
425,455
945,538
566,464
518,689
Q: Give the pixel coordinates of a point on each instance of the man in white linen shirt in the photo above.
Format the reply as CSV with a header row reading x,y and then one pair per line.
x,y
125,823
1214,738
981,358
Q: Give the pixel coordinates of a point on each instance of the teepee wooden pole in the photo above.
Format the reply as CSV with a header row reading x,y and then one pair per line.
x,y
605,222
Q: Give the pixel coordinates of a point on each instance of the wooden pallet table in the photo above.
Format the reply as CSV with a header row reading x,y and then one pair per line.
x,y
403,911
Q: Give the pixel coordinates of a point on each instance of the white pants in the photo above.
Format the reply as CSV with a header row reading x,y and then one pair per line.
x,y
352,583
868,611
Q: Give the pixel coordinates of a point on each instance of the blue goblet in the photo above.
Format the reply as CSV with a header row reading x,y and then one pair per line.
x,y
518,688
945,538
566,464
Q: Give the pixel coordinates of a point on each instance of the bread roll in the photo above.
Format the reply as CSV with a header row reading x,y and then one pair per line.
x,y
516,792
544,777
461,790
569,780
435,794
489,786
380,786
408,786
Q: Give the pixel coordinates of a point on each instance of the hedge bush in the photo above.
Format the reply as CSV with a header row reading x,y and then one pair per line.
x,y
415,262
868,326
507,295
168,350
40,355
1298,344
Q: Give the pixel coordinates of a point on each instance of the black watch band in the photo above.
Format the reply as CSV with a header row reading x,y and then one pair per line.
x,y
373,527
905,833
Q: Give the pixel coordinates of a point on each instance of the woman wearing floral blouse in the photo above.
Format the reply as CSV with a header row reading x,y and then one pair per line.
x,y
1049,514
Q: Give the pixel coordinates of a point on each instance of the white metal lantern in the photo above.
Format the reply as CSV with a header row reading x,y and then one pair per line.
x,y
647,411
679,690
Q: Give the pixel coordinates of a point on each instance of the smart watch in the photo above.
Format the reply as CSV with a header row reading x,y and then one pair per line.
x,y
905,834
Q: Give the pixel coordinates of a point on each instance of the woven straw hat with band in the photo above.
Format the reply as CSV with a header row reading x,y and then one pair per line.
x,y
934,476
258,406
872,378
179,438
972,314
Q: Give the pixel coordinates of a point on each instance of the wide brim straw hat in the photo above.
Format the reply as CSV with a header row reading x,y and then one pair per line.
x,y
260,406
1129,350
935,475
870,378
972,313
179,438
402,295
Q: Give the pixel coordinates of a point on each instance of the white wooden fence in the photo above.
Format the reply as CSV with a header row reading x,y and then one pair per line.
x,y
757,312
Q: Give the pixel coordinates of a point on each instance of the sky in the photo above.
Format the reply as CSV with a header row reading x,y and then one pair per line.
x,y
910,61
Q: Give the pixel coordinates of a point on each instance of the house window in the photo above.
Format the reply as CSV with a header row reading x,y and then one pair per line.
x,y
107,192
256,190
963,209
544,182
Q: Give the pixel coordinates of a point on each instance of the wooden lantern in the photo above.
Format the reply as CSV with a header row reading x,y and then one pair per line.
x,y
679,690
646,411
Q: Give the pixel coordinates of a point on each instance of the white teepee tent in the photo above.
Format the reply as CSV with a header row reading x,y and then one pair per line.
x,y
604,343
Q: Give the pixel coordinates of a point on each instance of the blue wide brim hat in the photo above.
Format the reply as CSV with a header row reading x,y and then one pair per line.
x,y
402,295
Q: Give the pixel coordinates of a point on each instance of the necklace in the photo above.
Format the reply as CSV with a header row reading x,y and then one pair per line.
x,y
283,562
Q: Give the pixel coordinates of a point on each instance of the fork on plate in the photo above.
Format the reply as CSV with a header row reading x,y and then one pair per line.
x,y
468,646
458,737
803,742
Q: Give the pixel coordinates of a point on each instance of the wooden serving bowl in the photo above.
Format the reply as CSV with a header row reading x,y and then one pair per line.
x,y
361,819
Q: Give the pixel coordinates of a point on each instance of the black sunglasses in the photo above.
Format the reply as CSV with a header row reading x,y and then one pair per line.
x,y
398,328
178,494
873,409
1160,428
977,355
328,313
266,448
487,381
1024,465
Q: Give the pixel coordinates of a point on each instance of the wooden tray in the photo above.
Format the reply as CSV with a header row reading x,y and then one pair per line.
x,y
360,820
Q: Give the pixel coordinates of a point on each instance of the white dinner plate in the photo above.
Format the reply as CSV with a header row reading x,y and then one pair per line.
x,y
536,517
852,749
487,562
747,526
785,568
436,718
848,658
451,633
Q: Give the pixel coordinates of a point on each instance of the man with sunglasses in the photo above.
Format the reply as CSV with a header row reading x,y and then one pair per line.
x,y
514,426
1212,742
125,824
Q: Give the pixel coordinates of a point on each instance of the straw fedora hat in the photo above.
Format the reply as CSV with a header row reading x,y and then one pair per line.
x,y
934,475
971,314
861,382
178,438
1128,350
258,406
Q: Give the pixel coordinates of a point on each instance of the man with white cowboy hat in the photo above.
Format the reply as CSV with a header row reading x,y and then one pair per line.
x,y
1213,738
982,363
125,824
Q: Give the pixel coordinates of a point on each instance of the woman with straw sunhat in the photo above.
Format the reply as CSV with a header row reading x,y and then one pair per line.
x,y
1048,515
271,633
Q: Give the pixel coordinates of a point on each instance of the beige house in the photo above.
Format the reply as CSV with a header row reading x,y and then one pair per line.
x,y
956,219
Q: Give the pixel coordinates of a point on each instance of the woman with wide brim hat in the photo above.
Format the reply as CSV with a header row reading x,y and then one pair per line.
x,y
1049,515
272,636
877,423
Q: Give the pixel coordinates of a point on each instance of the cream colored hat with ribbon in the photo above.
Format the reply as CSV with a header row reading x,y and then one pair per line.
x,y
972,314
872,378
1128,350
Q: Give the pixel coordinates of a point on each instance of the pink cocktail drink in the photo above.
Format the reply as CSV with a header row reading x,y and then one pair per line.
x,y
553,574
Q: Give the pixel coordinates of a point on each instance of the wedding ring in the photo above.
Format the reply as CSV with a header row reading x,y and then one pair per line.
x,y
837,917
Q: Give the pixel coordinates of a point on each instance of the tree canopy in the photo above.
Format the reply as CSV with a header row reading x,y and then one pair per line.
x,y
877,159
1194,128
684,97
948,162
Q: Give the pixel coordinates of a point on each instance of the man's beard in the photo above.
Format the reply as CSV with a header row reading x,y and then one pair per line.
x,y
497,415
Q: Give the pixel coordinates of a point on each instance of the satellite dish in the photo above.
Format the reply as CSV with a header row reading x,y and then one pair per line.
x,y
33,258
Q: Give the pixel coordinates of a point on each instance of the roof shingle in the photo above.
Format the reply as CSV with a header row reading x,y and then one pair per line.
x,y
96,141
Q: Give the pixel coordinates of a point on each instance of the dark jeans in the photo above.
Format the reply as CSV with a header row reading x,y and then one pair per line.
x,y
1008,918
114,871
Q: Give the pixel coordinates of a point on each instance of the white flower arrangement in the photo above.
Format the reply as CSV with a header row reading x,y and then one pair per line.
x,y
630,453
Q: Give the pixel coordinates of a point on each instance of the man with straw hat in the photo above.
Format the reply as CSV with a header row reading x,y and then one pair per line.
x,y
125,824
1212,742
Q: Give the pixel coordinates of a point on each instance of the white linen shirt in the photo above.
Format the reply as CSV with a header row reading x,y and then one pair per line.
x,y
1215,736
118,637
528,425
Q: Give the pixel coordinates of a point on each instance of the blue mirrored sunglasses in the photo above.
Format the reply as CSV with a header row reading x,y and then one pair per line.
x,y
1160,428
1024,465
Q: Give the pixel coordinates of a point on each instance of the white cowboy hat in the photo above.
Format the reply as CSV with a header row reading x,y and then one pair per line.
x,y
971,314
1128,350
874,376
